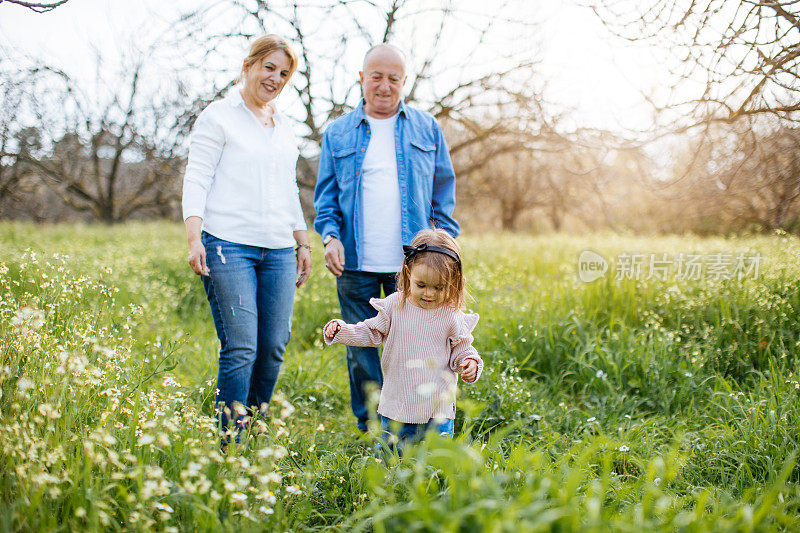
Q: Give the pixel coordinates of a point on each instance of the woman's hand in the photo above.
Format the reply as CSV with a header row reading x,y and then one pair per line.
x,y
197,252
303,265
303,256
469,370
197,259
331,329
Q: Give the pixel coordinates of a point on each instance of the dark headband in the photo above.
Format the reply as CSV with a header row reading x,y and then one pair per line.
x,y
411,251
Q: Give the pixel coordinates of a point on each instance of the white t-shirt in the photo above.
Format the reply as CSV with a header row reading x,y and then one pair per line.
x,y
382,241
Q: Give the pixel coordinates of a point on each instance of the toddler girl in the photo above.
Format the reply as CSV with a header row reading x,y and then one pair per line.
x,y
427,339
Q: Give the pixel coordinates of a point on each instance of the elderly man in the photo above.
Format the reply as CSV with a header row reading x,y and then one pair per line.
x,y
384,174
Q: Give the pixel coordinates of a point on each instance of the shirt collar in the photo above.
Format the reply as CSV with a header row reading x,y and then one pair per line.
x,y
234,97
361,116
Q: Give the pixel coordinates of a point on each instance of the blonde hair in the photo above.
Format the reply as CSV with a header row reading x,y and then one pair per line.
x,y
448,269
264,46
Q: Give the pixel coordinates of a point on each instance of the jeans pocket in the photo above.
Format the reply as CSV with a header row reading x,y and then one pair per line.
x,y
217,250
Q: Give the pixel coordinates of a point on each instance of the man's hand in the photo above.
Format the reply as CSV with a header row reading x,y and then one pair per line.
x,y
334,257
331,329
469,370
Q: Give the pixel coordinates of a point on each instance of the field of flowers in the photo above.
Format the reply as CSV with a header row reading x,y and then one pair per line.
x,y
655,402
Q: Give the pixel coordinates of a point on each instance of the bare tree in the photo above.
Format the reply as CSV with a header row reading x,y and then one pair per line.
x,y
745,54
38,7
112,150
744,176
13,139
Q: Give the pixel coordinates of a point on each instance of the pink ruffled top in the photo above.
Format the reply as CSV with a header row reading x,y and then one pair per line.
x,y
422,353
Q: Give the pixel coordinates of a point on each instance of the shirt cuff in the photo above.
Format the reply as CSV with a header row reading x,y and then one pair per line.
x,y
330,230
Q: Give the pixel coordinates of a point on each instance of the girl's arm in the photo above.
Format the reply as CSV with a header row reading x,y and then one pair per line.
x,y
371,332
464,357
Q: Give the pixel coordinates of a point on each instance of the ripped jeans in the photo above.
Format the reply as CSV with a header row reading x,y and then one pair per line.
x,y
251,294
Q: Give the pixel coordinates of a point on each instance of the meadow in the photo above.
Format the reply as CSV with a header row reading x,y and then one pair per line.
x,y
663,403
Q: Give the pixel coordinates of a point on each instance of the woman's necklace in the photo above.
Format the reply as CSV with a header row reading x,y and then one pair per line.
x,y
263,114
265,117
266,121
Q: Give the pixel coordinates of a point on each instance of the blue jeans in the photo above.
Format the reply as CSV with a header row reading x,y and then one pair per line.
x,y
251,294
355,288
407,433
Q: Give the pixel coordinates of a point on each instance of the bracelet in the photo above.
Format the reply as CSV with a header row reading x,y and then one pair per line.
x,y
303,245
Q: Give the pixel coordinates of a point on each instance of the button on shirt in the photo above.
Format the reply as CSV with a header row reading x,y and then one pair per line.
x,y
240,176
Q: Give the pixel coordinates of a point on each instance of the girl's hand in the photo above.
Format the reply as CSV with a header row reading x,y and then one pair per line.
x,y
331,329
469,370
303,265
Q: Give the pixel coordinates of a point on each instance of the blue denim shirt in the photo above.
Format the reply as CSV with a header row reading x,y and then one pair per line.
x,y
424,170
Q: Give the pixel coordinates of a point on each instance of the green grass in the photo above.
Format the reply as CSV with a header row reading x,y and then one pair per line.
x,y
613,405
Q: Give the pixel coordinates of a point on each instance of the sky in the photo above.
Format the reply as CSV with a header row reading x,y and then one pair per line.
x,y
586,69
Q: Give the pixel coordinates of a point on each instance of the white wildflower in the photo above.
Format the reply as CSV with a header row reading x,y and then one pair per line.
x,y
163,507
28,316
169,381
49,411
268,497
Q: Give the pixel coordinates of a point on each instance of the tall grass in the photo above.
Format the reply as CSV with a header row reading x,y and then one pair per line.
x,y
626,405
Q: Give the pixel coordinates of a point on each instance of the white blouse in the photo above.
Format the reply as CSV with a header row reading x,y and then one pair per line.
x,y
240,176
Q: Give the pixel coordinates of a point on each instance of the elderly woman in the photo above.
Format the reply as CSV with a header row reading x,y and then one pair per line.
x,y
242,211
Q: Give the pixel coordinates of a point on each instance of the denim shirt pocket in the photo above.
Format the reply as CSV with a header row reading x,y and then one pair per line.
x,y
423,159
344,162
